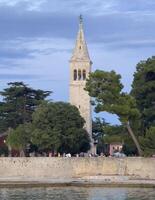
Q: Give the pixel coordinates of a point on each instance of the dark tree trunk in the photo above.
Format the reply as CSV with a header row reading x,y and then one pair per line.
x,y
140,152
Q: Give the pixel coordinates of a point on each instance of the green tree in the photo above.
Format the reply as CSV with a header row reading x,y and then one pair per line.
x,y
106,89
114,133
59,127
98,127
98,133
143,89
148,142
129,147
19,102
19,138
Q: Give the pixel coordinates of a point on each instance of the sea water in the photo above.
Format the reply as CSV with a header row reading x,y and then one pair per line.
x,y
77,193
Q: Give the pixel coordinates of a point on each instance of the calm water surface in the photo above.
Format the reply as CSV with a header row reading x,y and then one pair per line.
x,y
73,193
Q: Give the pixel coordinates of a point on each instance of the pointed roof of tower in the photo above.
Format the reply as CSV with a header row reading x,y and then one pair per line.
x,y
80,52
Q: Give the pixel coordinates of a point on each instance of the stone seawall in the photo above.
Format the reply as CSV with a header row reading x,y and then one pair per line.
x,y
55,168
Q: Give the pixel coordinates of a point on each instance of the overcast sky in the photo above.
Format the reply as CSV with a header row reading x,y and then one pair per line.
x,y
37,38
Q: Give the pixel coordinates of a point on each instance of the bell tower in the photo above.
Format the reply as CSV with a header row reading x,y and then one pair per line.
x,y
80,67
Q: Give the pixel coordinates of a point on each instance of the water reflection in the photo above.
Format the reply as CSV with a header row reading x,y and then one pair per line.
x,y
73,193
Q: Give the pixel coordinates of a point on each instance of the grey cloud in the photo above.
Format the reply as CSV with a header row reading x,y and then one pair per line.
x,y
20,50
17,76
97,6
129,44
8,64
116,29
136,5
15,24
113,29
13,53
49,51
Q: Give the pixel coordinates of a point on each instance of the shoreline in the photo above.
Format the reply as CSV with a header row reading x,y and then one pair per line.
x,y
115,181
78,172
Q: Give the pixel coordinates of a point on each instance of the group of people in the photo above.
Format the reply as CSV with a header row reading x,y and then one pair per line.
x,y
68,155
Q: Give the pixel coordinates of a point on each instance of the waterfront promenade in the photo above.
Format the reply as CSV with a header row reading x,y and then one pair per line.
x,y
77,172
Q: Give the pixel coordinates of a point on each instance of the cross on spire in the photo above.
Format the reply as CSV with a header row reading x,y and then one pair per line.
x,y
80,19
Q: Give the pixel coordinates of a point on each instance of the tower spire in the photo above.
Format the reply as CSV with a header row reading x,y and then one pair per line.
x,y
80,51
80,21
80,67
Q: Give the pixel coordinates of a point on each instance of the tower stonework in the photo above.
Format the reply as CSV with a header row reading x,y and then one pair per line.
x,y
80,67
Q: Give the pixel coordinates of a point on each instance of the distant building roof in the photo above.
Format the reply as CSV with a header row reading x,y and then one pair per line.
x,y
116,143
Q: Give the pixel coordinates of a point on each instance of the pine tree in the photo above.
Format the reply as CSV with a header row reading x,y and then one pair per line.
x,y
143,89
19,102
106,90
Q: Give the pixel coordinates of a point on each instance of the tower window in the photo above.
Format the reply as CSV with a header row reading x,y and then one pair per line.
x,y
84,74
79,47
75,74
79,74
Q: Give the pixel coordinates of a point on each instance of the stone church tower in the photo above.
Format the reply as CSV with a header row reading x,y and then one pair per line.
x,y
80,67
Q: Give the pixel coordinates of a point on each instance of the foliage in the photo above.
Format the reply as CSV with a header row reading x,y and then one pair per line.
x,y
59,127
114,130
113,138
119,134
98,128
4,151
106,134
143,89
148,142
129,147
19,102
106,89
98,133
19,138
114,133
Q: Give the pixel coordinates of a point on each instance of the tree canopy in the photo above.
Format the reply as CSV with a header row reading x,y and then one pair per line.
x,y
148,142
19,138
56,127
143,89
19,102
106,90
59,127
98,126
